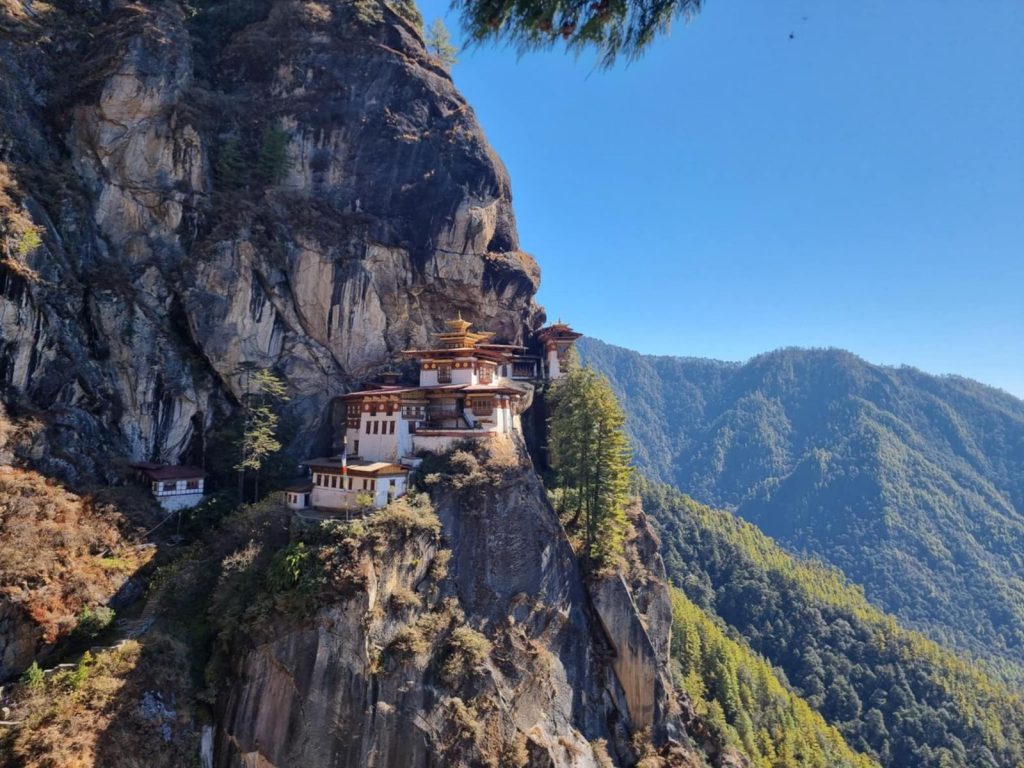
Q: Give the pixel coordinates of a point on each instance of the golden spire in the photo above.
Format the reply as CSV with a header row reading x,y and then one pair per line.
x,y
459,336
458,325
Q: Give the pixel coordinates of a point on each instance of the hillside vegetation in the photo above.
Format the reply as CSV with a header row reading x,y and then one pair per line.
x,y
891,692
61,556
911,484
744,704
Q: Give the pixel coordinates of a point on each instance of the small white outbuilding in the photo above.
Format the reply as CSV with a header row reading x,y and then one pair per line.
x,y
174,486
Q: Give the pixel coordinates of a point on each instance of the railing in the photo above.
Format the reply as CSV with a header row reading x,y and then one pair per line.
x,y
524,370
442,417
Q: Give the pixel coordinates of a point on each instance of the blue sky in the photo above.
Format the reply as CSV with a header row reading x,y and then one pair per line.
x,y
860,185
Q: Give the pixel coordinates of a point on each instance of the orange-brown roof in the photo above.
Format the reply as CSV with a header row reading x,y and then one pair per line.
x,y
558,330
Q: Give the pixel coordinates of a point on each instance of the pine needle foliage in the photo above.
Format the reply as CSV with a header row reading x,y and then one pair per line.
x,y
891,693
744,704
439,44
590,457
611,28
259,436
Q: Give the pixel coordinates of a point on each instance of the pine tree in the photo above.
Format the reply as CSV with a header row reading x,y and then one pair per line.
x,y
259,438
590,455
439,44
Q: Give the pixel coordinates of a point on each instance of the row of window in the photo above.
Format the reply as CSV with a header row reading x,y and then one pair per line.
x,y
444,374
380,427
172,485
338,481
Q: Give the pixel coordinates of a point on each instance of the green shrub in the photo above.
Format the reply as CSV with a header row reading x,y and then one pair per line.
x,y
291,568
91,621
28,241
77,677
33,679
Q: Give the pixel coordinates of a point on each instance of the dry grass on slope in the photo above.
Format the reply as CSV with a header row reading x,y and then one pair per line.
x,y
124,708
59,553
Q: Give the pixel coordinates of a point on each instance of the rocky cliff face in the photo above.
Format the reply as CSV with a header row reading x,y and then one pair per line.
x,y
474,643
295,185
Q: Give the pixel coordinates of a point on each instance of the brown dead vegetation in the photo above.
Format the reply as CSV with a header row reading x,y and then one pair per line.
x,y
123,708
59,553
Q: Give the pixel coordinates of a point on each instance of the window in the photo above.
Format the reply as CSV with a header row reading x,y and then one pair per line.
x,y
486,374
376,427
350,482
334,481
355,447
444,373
171,486
482,407
367,427
192,485
391,428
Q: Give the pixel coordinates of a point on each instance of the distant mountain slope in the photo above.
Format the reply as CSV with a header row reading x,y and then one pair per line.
x,y
912,484
891,693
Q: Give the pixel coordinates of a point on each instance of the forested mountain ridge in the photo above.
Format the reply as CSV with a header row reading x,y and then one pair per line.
x,y
911,484
893,694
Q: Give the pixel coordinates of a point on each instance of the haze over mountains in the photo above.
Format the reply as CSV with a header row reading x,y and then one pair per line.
x,y
911,484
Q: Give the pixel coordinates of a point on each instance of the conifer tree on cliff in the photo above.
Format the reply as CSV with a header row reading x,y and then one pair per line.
x,y
259,436
612,28
590,456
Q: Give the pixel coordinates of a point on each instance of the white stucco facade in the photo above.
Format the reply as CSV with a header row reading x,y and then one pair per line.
x,y
173,487
343,491
175,501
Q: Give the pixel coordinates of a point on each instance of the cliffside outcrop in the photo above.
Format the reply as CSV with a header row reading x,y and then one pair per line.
x,y
472,642
296,186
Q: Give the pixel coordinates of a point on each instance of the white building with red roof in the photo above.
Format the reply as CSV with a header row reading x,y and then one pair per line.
x,y
174,486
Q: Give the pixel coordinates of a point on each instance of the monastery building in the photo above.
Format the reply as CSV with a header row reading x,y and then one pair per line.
x,y
469,389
